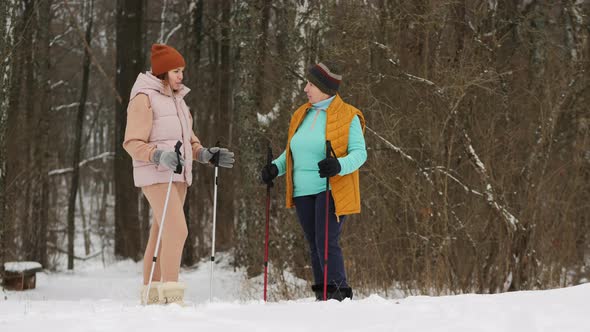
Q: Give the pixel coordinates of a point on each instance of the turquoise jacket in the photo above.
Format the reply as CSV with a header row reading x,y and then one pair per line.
x,y
308,147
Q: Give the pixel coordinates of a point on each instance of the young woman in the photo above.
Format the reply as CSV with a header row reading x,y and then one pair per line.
x,y
325,117
157,117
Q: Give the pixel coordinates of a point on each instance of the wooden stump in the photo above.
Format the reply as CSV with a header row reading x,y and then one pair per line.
x,y
20,275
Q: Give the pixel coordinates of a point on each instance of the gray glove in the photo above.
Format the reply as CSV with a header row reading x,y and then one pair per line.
x,y
167,159
207,156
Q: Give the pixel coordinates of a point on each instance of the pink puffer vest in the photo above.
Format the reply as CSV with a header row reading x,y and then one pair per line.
x,y
171,123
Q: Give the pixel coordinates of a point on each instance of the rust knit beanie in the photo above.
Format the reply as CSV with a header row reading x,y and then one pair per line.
x,y
165,58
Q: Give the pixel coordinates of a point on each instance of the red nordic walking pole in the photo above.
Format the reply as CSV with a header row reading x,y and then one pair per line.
x,y
266,231
328,149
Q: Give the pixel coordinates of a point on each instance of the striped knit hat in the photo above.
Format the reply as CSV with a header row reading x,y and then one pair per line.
x,y
323,75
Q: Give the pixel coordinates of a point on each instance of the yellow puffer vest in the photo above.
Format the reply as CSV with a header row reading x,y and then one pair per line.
x,y
345,189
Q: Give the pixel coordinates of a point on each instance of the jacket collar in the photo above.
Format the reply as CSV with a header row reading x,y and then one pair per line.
x,y
148,81
335,103
323,104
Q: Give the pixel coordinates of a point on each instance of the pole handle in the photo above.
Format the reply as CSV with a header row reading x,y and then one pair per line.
x,y
215,159
269,162
269,155
178,169
329,150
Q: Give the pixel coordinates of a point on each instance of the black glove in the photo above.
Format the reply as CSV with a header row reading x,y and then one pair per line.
x,y
268,173
329,167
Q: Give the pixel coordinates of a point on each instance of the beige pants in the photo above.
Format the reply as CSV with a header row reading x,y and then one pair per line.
x,y
173,235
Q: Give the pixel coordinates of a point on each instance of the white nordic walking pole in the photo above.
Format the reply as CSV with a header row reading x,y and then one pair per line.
x,y
215,160
178,170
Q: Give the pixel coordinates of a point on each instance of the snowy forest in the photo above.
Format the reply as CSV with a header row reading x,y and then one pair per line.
x,y
478,134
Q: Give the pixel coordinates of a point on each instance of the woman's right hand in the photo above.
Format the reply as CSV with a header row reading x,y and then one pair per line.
x,y
268,173
167,159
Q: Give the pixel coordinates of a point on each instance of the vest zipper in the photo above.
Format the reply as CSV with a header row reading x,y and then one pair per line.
x,y
182,129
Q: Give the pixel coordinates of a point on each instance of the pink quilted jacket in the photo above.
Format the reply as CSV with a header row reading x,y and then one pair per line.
x,y
171,122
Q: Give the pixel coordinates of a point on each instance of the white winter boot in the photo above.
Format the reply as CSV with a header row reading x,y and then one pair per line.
x,y
153,298
172,292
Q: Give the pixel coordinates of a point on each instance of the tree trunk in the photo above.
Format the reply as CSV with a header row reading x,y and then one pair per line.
x,y
130,55
27,185
11,149
5,47
193,247
224,124
17,149
40,206
261,50
85,223
74,184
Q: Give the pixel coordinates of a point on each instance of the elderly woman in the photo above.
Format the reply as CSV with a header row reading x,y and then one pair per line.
x,y
325,117
157,118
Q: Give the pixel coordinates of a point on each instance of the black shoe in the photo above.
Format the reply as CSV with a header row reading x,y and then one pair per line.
x,y
338,293
319,292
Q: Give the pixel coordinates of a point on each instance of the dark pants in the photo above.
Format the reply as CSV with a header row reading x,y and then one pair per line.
x,y
311,211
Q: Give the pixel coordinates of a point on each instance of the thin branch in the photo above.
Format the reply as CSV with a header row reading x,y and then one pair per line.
x,y
89,50
176,28
104,156
402,153
444,171
82,258
510,219
162,22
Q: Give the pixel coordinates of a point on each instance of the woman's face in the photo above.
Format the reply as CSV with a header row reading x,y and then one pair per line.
x,y
175,78
314,94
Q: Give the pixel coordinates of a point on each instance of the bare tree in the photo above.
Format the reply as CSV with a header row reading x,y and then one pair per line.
x,y
130,62
75,180
224,127
6,33
195,244
42,126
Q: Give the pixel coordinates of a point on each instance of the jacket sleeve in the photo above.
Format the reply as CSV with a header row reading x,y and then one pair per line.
x,y
137,132
281,163
357,151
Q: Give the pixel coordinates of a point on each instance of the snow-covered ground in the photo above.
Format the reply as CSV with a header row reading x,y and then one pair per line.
x,y
107,299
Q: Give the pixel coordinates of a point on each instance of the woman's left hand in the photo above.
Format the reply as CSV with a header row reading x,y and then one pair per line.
x,y
329,167
217,156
